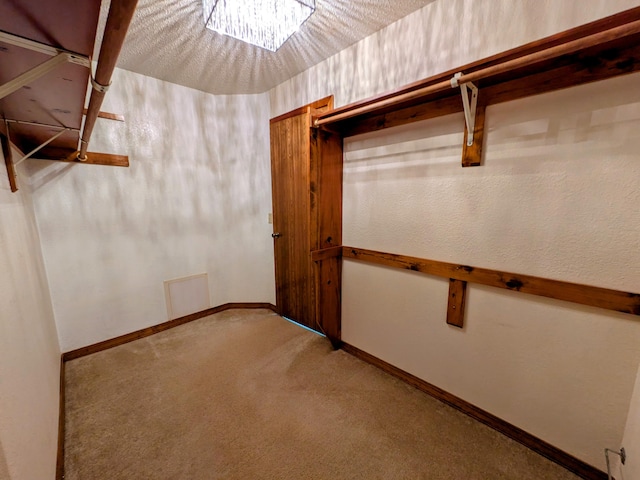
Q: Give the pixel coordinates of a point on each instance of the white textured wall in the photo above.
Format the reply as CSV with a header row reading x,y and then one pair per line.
x,y
556,198
195,199
551,200
29,352
443,35
631,440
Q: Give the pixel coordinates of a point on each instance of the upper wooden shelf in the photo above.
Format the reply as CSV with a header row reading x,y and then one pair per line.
x,y
57,98
599,50
45,68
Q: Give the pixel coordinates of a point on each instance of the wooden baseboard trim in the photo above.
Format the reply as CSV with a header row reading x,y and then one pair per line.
x,y
61,420
571,463
145,332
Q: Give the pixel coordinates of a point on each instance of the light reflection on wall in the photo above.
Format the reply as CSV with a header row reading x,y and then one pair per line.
x,y
441,36
195,198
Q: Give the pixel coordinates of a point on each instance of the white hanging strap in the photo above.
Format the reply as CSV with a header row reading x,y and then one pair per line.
x,y
454,80
98,87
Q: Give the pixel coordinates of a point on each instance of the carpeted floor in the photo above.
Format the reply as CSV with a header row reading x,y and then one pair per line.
x,y
244,395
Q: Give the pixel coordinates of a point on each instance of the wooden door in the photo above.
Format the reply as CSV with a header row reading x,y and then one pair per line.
x,y
290,150
306,173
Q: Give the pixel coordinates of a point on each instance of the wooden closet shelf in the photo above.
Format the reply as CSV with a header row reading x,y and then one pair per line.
x,y
596,51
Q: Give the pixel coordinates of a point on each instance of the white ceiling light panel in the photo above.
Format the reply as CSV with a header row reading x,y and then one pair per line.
x,y
264,23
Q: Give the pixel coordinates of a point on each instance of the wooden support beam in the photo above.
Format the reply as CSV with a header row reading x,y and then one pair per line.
x,y
386,103
472,155
400,116
616,300
568,48
96,158
325,230
328,270
590,65
326,253
328,298
325,189
8,162
109,116
455,307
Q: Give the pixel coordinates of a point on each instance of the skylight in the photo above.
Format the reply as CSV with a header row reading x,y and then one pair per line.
x,y
264,23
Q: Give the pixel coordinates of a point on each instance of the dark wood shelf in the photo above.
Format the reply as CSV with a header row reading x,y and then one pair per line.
x,y
596,51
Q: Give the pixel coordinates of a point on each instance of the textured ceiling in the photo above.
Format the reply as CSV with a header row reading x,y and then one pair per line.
x,y
167,40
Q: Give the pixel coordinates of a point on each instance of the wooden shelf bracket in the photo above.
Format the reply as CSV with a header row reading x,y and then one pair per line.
x,y
58,57
43,48
469,105
42,145
474,122
455,305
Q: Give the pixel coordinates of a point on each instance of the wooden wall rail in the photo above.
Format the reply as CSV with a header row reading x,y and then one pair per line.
x,y
108,116
326,253
602,49
615,300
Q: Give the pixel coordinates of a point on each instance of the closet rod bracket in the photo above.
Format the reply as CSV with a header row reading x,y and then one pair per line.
x,y
469,105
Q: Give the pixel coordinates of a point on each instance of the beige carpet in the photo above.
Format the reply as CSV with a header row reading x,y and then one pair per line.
x,y
247,395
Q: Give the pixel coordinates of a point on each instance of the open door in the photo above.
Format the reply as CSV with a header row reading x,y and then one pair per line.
x,y
306,173
290,189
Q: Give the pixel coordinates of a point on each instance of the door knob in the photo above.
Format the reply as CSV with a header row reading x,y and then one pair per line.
x,y
276,235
